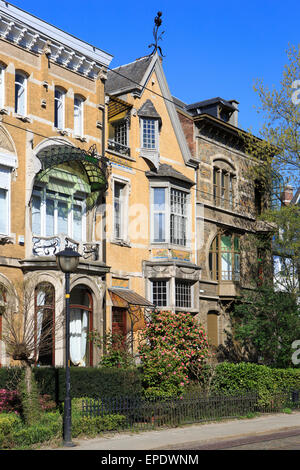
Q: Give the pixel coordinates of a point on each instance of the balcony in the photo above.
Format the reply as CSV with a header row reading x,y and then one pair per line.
x,y
119,148
49,246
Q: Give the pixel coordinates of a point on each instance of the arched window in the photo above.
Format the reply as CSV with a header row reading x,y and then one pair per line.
x,y
44,324
223,184
81,323
224,258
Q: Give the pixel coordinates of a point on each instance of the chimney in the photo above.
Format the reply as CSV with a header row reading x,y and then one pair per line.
x,y
234,116
287,195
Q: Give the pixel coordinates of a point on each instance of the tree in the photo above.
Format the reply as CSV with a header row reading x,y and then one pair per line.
x,y
26,334
276,156
266,322
173,349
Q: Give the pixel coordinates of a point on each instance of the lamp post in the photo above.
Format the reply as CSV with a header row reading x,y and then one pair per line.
x,y
67,261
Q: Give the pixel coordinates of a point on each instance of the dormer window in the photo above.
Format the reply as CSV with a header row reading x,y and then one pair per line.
x,y
150,134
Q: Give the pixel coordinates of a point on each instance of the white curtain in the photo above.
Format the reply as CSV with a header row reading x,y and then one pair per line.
x,y
78,336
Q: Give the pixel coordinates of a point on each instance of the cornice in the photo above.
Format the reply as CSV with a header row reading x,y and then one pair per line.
x,y
34,35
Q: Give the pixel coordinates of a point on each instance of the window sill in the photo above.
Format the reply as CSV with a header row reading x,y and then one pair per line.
x,y
23,118
80,137
7,239
120,243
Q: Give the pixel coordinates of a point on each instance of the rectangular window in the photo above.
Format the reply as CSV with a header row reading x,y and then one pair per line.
x,y
3,211
121,133
56,213
159,214
183,294
178,217
119,192
20,94
149,135
4,199
78,116
59,100
159,293
2,90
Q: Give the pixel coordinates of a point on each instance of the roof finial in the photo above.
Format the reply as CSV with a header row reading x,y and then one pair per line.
x,y
158,22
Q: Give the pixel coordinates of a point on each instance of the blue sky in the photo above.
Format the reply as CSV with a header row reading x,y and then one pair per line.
x,y
211,48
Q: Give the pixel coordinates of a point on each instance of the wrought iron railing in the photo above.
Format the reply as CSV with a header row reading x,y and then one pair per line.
x,y
118,147
49,246
140,412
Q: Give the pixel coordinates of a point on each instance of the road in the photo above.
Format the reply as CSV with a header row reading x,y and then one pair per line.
x,y
284,440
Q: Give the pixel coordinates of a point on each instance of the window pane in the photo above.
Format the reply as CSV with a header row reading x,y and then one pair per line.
x,y
226,266
149,137
20,94
183,294
77,116
118,209
159,293
49,217
3,211
58,109
159,221
77,222
36,215
62,217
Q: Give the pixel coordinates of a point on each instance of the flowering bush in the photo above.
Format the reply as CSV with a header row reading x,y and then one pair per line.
x,y
9,401
173,350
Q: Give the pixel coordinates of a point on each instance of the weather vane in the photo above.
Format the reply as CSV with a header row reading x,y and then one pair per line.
x,y
158,22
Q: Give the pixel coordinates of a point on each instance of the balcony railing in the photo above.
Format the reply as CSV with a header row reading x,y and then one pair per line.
x,y
117,147
49,246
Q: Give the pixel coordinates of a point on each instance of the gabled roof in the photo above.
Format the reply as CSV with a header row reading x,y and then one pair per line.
x,y
148,110
134,77
127,76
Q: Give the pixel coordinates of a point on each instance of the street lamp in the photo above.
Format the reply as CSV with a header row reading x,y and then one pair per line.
x,y
67,261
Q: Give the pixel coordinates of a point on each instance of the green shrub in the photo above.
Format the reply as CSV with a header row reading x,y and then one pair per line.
x,y
91,426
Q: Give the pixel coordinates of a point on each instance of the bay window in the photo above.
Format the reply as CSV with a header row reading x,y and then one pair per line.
x,y
183,294
169,215
55,212
160,293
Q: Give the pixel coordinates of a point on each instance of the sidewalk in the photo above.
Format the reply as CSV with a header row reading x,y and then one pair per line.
x,y
197,433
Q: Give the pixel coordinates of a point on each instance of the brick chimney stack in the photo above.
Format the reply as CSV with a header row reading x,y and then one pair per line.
x,y
287,195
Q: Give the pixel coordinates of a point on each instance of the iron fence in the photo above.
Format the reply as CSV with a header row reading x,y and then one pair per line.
x,y
143,413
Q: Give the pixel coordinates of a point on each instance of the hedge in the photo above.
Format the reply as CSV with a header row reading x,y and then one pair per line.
x,y
85,381
230,378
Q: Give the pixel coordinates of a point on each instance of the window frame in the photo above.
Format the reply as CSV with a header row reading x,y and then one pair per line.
x,y
2,85
59,113
40,191
6,187
80,130
166,283
224,188
24,85
154,148
37,308
215,259
124,204
169,239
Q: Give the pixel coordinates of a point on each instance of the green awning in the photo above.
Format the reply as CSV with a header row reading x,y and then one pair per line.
x,y
62,155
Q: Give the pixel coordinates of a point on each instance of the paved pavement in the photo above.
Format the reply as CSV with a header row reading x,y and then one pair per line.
x,y
233,434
